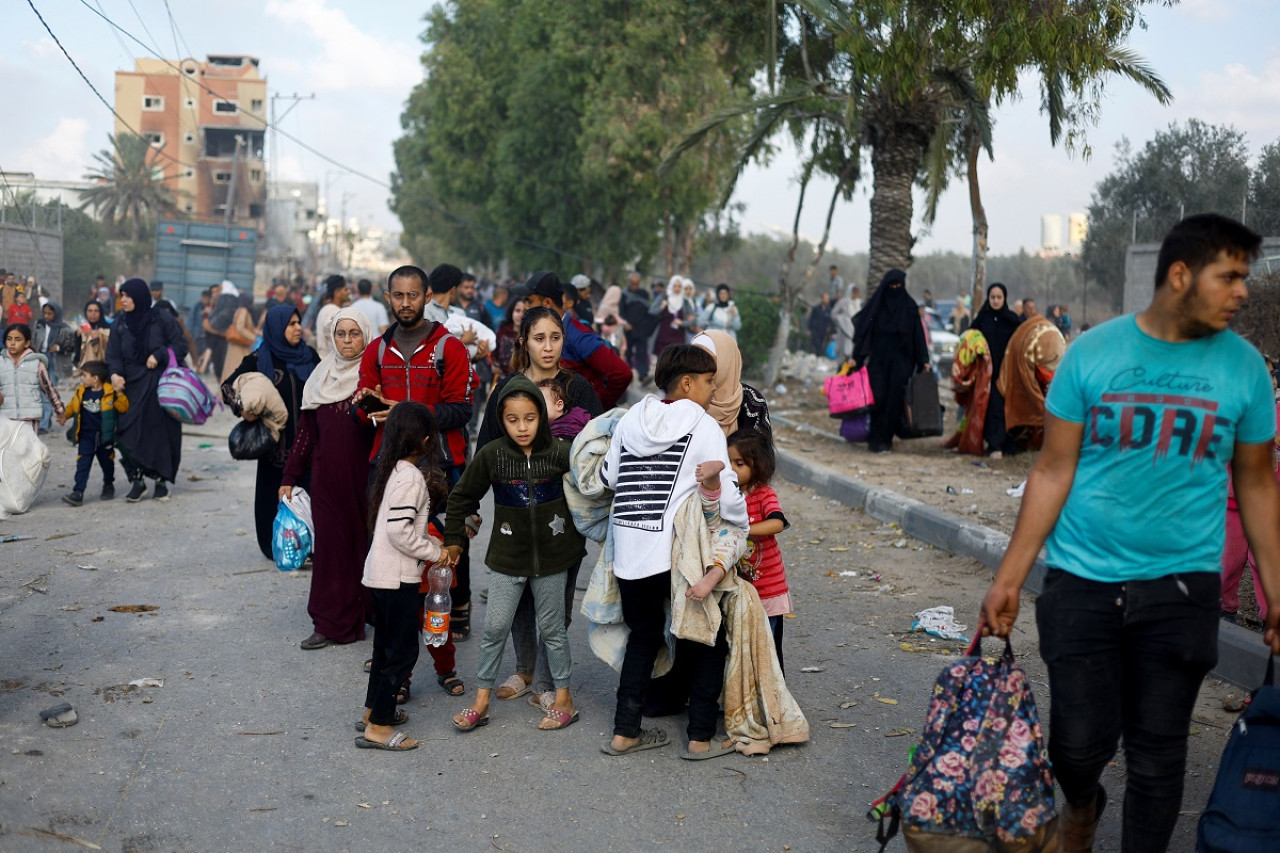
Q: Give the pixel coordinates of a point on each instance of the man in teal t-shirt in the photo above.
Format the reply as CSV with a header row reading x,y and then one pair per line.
x,y
1130,493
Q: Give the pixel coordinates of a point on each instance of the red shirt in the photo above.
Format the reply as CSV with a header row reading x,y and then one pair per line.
x,y
762,504
20,314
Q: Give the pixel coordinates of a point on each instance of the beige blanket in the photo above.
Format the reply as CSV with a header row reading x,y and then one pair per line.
x,y
259,397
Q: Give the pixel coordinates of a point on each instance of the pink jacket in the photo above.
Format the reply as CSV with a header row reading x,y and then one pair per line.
x,y
401,544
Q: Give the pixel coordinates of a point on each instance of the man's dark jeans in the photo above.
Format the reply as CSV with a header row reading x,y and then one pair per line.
x,y
1127,659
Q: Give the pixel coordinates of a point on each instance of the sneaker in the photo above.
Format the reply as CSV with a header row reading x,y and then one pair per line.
x,y
136,491
162,491
108,492
75,498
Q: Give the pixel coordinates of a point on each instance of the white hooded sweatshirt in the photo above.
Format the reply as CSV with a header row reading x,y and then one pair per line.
x,y
650,466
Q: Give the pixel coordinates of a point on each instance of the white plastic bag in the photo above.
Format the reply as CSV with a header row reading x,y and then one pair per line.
x,y
941,622
300,504
24,463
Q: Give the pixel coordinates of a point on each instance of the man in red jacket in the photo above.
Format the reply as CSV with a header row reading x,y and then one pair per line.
x,y
585,352
418,359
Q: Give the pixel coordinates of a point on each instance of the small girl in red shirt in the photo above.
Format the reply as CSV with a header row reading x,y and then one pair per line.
x,y
751,455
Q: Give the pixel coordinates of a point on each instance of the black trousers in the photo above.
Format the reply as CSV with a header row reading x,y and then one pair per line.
x,y
395,648
1126,660
643,610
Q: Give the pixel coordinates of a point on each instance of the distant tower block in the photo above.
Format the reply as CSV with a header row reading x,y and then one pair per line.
x,y
1077,231
1051,232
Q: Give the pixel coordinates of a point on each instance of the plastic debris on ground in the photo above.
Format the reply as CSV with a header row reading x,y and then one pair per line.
x,y
1016,491
941,622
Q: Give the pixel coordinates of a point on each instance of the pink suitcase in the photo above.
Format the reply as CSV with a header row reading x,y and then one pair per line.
x,y
849,394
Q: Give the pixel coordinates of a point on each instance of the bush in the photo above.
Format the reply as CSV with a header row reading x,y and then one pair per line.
x,y
759,326
1259,322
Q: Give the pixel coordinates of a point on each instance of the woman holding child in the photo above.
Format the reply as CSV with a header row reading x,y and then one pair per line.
x,y
335,449
537,357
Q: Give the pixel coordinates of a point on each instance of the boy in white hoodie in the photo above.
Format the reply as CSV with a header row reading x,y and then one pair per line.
x,y
651,466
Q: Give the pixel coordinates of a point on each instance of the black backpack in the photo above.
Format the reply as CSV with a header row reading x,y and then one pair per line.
x,y
1244,809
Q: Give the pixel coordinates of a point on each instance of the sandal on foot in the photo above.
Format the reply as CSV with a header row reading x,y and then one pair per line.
x,y
451,684
460,623
515,687
368,665
473,718
404,694
402,717
543,701
315,641
559,719
649,739
718,748
395,743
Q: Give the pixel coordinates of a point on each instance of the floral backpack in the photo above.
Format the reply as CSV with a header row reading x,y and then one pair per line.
x,y
980,778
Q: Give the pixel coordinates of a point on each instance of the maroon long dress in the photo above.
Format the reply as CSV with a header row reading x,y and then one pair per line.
x,y
666,335
336,449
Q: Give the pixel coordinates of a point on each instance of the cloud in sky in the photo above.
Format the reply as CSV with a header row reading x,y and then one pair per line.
x,y
1246,96
350,59
61,155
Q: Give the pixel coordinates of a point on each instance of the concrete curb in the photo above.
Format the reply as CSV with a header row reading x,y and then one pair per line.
x,y
1242,659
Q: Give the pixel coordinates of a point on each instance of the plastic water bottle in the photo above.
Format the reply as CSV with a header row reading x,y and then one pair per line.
x,y
435,615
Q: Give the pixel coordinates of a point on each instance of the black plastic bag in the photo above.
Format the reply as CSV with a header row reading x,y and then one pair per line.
x,y
251,440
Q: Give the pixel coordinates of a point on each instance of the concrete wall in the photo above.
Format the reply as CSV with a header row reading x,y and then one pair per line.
x,y
1140,271
33,251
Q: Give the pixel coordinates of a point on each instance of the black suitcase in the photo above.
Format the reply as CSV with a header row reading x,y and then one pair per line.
x,y
922,414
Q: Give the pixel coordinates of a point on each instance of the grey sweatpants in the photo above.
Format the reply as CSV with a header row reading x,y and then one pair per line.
x,y
500,609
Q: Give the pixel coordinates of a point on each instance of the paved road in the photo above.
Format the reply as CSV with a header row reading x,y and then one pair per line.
x,y
248,745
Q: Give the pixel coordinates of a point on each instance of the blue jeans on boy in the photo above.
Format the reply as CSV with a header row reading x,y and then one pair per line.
x,y
1126,660
87,449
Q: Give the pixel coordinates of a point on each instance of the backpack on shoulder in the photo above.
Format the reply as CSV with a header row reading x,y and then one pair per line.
x,y
1244,809
979,780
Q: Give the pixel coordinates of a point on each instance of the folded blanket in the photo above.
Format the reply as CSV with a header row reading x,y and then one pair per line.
x,y
259,397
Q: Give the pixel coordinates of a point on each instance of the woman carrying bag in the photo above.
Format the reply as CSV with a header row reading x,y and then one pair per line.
x,y
287,362
889,340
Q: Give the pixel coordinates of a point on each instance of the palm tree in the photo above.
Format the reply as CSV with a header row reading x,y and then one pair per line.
x,y
902,77
129,193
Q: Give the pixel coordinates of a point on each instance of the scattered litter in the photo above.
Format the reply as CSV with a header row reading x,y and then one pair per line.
x,y
147,682
268,809
780,388
1232,703
966,491
71,607
886,701
88,568
847,705
876,576
901,543
941,622
951,490
899,732
844,725
280,732
98,618
205,446
133,608
848,574
59,716
364,805
1016,491
60,836
980,465
341,823
838,550
811,669
14,537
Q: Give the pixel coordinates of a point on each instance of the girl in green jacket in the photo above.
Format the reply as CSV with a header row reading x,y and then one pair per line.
x,y
533,542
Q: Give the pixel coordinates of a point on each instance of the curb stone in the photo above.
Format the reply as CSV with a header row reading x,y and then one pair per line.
x,y
1242,659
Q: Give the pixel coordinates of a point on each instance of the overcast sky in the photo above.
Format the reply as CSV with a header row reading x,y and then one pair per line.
x,y
1221,58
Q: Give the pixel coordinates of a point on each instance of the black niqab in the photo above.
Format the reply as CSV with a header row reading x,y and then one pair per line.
x,y
139,319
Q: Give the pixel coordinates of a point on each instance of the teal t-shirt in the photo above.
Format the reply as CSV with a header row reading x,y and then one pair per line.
x,y
1161,421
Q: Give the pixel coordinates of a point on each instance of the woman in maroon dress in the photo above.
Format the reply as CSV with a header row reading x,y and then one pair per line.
x,y
670,311
336,448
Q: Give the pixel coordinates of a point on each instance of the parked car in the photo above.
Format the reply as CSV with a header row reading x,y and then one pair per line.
x,y
944,342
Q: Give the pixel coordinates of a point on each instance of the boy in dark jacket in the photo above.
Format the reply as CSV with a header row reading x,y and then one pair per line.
x,y
533,543
94,406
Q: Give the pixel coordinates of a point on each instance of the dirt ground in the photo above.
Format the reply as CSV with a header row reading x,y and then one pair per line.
x,y
920,468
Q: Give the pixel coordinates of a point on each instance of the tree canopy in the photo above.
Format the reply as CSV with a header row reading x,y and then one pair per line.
x,y
130,193
1182,170
538,130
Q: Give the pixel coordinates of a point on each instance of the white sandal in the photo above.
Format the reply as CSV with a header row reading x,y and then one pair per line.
x,y
516,684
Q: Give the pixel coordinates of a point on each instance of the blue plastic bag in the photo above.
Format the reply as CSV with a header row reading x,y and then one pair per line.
x,y
290,540
831,349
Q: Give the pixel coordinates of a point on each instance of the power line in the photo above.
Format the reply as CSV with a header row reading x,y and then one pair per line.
x,y
306,147
94,89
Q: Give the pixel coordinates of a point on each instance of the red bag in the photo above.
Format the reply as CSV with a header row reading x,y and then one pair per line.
x,y
848,394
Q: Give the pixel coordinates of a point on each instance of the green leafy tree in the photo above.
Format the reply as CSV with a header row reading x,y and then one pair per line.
x,y
84,254
538,130
1182,170
130,193
1263,211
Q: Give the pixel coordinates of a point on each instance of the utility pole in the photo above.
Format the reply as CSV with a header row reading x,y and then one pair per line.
x,y
231,191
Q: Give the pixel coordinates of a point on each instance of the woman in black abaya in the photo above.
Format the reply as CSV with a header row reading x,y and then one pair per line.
x,y
150,439
997,322
888,338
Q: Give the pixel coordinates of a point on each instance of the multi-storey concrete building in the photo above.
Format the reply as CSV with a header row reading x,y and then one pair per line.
x,y
209,121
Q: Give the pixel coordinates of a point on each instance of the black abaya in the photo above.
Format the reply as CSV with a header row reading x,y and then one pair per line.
x,y
150,439
889,339
997,327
